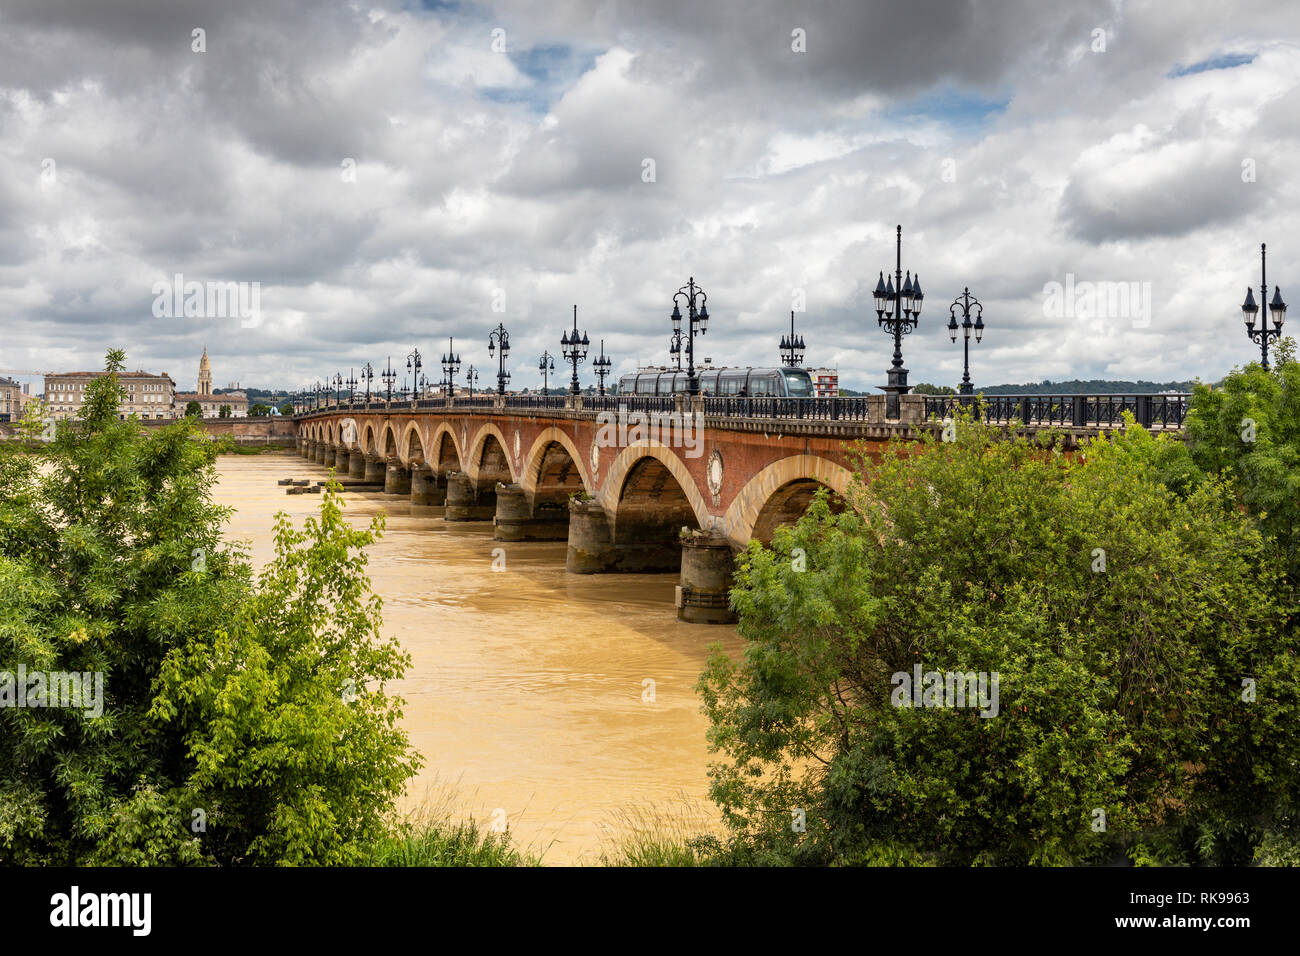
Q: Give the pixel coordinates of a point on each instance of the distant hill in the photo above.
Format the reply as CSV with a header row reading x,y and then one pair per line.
x,y
1092,386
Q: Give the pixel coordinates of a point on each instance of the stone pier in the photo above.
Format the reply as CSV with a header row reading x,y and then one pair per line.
x,y
703,596
357,465
517,519
341,461
466,502
397,478
374,469
426,488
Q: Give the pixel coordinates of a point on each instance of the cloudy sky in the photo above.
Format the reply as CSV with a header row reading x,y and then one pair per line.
x,y
390,174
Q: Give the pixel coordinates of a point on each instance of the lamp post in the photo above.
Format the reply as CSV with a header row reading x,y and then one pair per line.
x,y
414,357
338,389
352,387
675,348
499,340
389,376
574,350
603,366
966,301
367,374
450,366
792,347
1277,308
471,376
697,308
898,310
545,364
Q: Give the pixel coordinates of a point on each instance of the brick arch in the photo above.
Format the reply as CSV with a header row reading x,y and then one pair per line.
x,y
435,448
388,434
329,430
345,431
477,445
535,459
368,439
612,489
743,516
405,451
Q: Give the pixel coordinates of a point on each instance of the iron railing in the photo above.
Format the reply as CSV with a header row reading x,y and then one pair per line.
x,y
1066,411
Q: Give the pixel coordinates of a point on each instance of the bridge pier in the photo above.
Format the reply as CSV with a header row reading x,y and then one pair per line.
x,y
703,596
304,448
375,469
426,489
467,503
397,479
591,541
341,460
357,465
518,520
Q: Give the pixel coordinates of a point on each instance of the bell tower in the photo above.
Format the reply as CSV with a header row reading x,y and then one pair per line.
x,y
205,374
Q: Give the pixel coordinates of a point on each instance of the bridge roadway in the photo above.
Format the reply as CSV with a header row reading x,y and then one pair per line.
x,y
618,478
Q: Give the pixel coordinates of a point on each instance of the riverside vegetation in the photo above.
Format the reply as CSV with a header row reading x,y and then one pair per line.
x,y
1138,601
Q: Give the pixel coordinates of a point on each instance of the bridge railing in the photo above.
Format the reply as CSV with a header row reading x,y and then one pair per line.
x,y
633,403
1077,411
487,400
535,401
847,408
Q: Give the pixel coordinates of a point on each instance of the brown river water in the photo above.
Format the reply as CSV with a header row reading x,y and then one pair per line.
x,y
525,693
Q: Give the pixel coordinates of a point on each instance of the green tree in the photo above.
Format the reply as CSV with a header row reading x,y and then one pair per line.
x,y
286,409
1248,429
254,707
1121,600
223,411
925,388
193,410
259,410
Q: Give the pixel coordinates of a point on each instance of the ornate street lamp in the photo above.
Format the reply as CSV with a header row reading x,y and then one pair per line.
x,y
367,374
1277,308
574,350
675,348
697,308
471,377
499,340
338,389
414,357
450,366
603,366
352,387
792,347
389,376
966,301
545,364
898,310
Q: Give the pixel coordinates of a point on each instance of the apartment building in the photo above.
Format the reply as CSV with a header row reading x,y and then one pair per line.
x,y
147,395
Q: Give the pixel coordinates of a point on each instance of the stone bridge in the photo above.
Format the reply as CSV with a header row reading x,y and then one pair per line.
x,y
619,478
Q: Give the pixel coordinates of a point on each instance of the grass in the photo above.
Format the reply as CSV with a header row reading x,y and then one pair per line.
x,y
650,836
427,842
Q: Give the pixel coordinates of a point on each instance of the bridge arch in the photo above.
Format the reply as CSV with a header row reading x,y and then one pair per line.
x,y
488,459
616,486
542,464
411,448
388,446
368,439
779,494
445,453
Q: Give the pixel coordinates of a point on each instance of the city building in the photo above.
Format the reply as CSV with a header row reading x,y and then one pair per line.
x,y
11,400
210,401
826,382
148,395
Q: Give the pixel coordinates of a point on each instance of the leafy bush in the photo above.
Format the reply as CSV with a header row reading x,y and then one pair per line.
x,y
1122,600
244,721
